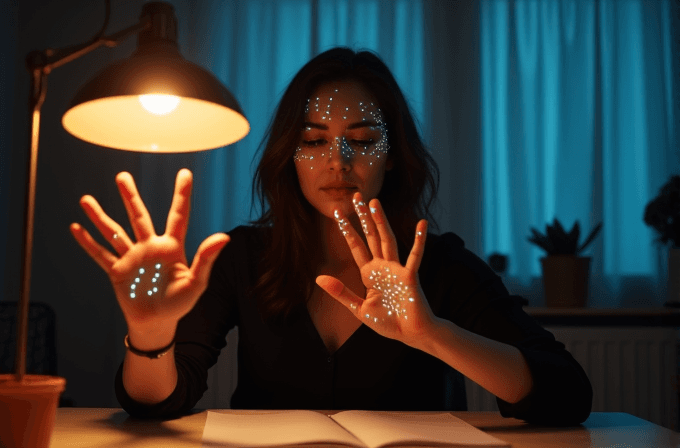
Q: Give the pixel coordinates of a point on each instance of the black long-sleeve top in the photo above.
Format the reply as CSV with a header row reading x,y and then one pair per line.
x,y
288,366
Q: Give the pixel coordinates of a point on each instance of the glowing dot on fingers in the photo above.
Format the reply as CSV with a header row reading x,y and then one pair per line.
x,y
158,265
132,295
137,280
373,209
133,286
141,270
149,292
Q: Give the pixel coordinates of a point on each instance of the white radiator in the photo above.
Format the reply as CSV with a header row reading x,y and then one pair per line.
x,y
631,369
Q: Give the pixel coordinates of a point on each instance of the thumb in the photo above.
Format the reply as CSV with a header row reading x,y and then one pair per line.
x,y
336,289
206,255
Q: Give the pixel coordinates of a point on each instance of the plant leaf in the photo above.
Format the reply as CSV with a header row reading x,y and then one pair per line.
x,y
557,236
591,237
541,241
573,237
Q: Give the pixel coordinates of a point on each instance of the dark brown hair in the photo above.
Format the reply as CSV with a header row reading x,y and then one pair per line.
x,y
409,188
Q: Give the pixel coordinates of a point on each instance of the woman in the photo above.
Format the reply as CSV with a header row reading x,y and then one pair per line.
x,y
342,298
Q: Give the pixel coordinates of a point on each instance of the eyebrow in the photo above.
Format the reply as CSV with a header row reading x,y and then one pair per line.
x,y
360,124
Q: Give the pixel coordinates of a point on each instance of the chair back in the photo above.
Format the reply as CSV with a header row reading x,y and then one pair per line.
x,y
41,350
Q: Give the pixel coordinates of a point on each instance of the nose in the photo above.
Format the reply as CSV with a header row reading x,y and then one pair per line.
x,y
340,155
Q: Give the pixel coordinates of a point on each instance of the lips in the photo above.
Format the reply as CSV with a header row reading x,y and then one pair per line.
x,y
339,185
339,193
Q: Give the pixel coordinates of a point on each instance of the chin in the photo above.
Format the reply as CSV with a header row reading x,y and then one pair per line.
x,y
346,209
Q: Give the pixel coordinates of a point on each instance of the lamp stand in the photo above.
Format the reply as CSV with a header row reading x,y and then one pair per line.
x,y
28,403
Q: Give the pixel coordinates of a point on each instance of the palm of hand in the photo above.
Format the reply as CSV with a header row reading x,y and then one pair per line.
x,y
394,300
152,279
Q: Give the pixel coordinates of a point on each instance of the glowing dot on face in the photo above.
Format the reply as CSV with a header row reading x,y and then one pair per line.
x,y
158,265
141,270
132,295
133,286
149,292
137,280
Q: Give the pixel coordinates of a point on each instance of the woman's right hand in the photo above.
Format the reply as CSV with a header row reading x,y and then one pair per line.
x,y
154,285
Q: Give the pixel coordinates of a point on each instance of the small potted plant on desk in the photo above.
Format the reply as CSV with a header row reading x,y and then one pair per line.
x,y
663,214
565,274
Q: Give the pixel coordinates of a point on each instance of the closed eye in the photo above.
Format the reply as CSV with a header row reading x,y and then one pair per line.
x,y
313,143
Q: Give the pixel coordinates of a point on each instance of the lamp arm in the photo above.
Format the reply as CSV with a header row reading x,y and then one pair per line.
x,y
49,59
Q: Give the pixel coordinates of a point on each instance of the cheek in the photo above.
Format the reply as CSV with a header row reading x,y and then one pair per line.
x,y
305,177
374,178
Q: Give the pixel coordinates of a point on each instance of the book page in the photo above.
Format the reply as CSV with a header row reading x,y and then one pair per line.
x,y
377,429
273,428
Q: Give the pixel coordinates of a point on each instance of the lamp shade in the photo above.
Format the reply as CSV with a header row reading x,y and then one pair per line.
x,y
156,101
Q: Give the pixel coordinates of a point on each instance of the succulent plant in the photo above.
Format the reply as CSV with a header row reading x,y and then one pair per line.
x,y
556,241
663,213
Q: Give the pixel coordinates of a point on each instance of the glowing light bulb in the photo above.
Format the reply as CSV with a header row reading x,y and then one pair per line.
x,y
159,104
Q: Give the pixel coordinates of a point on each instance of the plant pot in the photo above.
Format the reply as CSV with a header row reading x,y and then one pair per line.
x,y
28,409
565,281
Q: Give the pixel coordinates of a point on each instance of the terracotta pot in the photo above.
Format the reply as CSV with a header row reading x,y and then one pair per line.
x,y
565,281
28,409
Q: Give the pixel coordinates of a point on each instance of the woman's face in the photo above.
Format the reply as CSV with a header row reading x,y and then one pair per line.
x,y
343,148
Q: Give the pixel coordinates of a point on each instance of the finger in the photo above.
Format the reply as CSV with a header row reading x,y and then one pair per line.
x,y
387,240
136,210
103,257
354,241
178,217
336,289
368,226
206,255
416,255
110,229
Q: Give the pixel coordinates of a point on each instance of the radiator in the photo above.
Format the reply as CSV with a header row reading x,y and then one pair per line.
x,y
631,369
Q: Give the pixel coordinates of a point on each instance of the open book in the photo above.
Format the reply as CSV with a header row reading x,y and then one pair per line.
x,y
363,429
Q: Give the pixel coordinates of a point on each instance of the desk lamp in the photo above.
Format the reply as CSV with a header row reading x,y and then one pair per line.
x,y
154,101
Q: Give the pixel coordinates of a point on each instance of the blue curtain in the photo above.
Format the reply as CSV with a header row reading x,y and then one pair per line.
x,y
256,47
577,123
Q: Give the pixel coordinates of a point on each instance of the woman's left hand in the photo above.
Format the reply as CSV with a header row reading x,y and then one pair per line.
x,y
394,306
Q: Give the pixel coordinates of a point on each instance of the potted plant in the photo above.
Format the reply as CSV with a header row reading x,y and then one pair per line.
x,y
663,214
565,273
